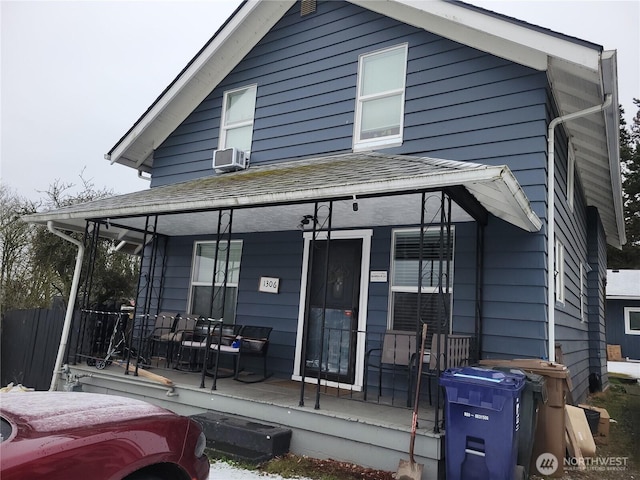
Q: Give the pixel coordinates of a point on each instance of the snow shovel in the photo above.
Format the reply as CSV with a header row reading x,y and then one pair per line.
x,y
410,470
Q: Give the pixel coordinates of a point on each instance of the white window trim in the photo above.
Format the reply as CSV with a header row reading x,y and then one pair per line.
x,y
193,283
571,177
627,320
222,138
391,140
559,271
582,294
365,235
428,290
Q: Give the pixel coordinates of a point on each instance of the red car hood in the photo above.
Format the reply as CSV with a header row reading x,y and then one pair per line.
x,y
59,411
75,435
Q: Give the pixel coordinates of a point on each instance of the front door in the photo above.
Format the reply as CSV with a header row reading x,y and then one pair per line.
x,y
333,310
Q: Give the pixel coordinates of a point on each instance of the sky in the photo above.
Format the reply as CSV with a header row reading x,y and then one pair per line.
x,y
76,75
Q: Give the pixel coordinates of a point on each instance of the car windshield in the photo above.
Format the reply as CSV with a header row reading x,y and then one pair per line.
x,y
5,429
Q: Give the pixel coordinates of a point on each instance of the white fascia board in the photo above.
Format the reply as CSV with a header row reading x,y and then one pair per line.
x,y
500,37
505,199
612,125
207,69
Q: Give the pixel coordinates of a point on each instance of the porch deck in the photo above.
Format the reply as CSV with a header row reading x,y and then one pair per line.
x,y
345,427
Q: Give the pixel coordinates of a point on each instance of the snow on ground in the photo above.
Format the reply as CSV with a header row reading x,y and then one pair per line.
x,y
226,471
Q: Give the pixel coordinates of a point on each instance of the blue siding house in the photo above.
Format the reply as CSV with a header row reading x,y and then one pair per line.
x,y
623,312
336,170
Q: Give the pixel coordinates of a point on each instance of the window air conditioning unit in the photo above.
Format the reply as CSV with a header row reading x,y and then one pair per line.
x,y
230,160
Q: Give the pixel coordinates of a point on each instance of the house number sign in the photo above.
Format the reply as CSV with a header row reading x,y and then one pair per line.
x,y
376,276
269,284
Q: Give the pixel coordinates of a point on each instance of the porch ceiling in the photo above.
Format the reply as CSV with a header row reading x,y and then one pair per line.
x,y
275,197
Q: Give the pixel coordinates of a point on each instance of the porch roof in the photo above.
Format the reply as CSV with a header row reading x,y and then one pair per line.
x,y
283,191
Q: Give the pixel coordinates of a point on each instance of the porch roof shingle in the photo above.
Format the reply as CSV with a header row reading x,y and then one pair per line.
x,y
303,181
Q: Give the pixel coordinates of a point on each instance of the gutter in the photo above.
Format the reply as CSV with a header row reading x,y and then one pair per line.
x,y
551,216
64,339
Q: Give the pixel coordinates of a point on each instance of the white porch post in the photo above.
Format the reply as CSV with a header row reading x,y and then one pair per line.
x,y
70,304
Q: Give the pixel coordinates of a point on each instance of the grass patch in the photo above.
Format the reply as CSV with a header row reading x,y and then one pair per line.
x,y
622,401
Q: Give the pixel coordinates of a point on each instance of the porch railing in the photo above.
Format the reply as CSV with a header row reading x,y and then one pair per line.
x,y
389,369
378,367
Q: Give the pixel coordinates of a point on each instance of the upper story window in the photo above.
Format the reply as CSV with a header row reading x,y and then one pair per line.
x,y
236,126
380,102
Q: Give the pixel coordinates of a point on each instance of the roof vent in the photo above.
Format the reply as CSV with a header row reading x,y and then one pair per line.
x,y
230,160
307,7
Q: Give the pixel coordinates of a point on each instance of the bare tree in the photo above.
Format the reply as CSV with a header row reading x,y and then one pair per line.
x,y
37,265
15,240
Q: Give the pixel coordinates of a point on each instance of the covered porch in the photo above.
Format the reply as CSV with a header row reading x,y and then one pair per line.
x,y
332,233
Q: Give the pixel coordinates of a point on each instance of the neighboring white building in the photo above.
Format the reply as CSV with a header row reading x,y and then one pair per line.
x,y
623,319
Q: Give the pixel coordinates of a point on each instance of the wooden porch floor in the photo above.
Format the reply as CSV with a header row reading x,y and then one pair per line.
x,y
345,427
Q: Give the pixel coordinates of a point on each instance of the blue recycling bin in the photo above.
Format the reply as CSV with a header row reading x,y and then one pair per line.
x,y
482,419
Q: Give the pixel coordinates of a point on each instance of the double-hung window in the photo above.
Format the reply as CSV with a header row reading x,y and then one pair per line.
x,y
380,102
236,128
632,320
583,293
207,293
437,266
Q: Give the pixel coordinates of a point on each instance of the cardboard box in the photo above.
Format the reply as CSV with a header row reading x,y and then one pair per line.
x,y
614,353
576,421
549,438
602,437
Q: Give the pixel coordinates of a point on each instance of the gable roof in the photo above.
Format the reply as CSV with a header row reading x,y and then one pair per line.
x,y
581,74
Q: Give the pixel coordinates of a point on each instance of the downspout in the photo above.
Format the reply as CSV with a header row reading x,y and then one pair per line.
x,y
70,304
551,216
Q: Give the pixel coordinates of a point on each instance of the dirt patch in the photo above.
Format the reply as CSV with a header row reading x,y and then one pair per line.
x,y
293,465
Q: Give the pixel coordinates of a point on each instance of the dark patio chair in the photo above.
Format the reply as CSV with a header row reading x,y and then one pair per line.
x,y
250,341
395,356
189,339
162,334
223,338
